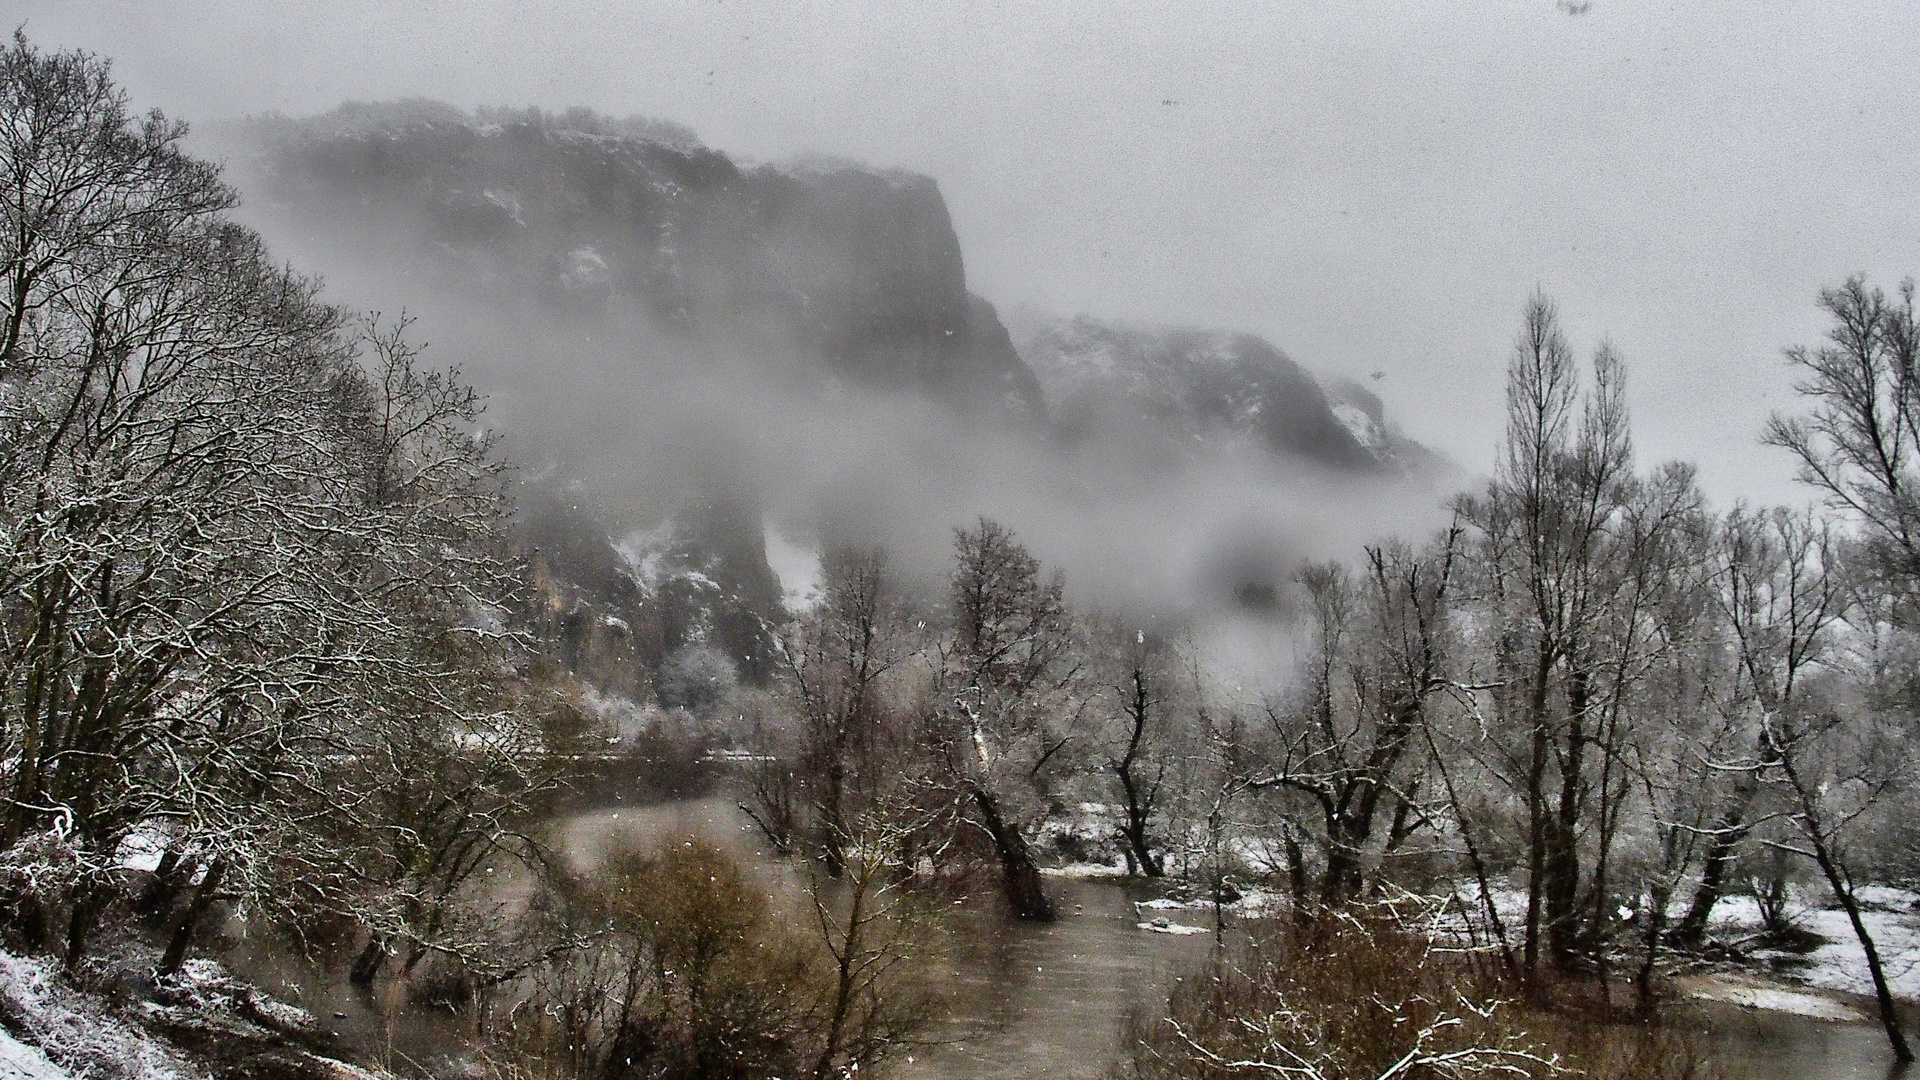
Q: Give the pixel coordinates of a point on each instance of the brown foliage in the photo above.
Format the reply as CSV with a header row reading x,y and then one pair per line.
x,y
1352,997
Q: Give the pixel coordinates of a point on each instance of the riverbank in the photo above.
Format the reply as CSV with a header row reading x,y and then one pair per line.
x,y
1024,999
115,1023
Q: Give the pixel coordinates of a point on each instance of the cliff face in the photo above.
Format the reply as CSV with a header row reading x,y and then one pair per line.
x,y
624,613
716,306
1189,389
855,270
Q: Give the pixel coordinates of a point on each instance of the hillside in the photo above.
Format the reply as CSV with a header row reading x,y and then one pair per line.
x,y
688,349
854,271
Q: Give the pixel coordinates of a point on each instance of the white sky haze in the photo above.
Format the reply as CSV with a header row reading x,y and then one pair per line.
x,y
1372,186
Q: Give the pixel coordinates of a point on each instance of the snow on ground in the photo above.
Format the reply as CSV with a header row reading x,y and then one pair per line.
x,y
18,1061
57,1031
1773,999
1167,926
1840,963
1086,870
77,1031
1254,903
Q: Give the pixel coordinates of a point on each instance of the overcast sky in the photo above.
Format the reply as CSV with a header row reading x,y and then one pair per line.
x,y
1372,186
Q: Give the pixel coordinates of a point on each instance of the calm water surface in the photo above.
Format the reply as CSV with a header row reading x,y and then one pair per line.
x,y
1049,1001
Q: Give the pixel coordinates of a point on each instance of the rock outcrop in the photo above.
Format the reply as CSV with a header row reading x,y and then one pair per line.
x,y
1189,390
856,271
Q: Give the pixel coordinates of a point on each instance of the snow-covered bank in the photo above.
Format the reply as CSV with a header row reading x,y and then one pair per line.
x,y
1773,979
202,1024
1838,963
1755,994
78,1031
18,1061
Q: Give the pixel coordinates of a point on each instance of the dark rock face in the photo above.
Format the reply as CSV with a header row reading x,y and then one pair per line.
x,y
854,269
615,612
821,274
809,277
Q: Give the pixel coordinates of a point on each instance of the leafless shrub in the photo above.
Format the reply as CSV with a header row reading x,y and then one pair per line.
x,y
683,972
1354,995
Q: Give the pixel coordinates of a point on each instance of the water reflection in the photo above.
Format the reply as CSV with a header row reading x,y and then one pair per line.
x,y
1756,1044
1027,1000
1049,1000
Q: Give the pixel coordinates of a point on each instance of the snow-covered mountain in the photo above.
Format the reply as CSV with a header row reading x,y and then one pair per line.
x,y
691,346
1189,390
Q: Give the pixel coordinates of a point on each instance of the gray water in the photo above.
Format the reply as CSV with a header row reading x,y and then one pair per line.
x,y
1049,1000
1756,1044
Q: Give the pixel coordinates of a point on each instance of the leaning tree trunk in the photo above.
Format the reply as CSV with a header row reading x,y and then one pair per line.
x,y
1883,994
1727,834
1020,876
366,967
183,931
1843,891
1729,831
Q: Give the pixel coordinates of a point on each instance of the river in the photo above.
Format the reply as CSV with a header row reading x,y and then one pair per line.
x,y
1049,1000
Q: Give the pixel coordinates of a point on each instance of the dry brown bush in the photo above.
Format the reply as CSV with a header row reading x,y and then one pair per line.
x,y
1351,996
686,967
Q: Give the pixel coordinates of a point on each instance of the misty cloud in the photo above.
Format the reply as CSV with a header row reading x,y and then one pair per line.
x,y
644,356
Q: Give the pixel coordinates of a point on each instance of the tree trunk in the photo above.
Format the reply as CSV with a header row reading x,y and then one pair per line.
x,y
1692,930
1139,801
1348,830
1536,810
1561,860
1823,854
169,874
1729,830
833,824
183,931
1883,994
1296,869
366,967
845,977
1656,926
1020,876
88,902
1138,851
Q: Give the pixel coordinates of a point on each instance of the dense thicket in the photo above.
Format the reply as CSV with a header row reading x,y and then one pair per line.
x,y
252,588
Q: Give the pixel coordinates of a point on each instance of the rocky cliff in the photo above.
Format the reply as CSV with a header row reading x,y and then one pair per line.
x,y
628,250
1185,391
854,271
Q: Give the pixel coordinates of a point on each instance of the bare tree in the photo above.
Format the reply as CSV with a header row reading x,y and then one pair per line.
x,y
1857,445
1006,697
1352,741
1836,774
250,550
878,930
837,659
1567,559
1141,778
1779,594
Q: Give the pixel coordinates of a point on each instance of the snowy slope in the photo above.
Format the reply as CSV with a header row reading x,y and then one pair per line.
x,y
18,1061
